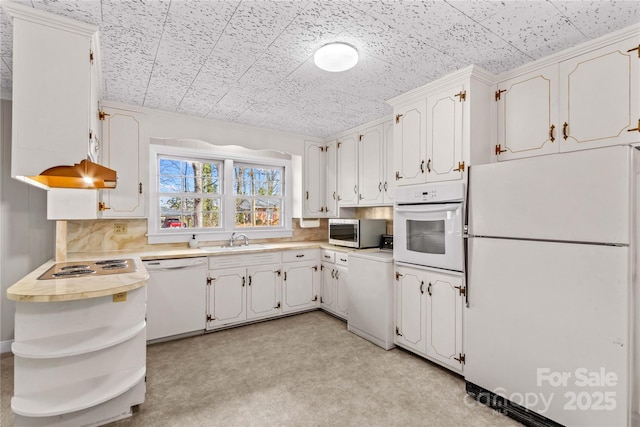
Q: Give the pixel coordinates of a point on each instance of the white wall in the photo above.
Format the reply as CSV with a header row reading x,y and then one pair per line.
x,y
161,124
27,239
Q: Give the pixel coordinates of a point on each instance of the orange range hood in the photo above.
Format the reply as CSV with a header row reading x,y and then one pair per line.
x,y
86,174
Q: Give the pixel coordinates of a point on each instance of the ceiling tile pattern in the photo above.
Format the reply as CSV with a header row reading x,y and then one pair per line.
x,y
251,62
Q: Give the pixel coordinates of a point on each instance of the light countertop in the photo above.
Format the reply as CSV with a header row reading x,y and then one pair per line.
x,y
30,289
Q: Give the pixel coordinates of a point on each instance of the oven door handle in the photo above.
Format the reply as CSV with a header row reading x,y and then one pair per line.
x,y
428,208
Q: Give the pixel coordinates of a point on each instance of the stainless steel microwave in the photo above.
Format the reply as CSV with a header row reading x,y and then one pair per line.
x,y
356,233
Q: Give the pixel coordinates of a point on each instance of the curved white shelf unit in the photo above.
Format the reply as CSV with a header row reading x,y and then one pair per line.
x,y
72,397
76,343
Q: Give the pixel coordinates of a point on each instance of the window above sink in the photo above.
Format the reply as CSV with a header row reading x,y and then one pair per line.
x,y
215,192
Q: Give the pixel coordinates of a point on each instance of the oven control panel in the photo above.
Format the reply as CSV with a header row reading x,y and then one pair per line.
x,y
431,193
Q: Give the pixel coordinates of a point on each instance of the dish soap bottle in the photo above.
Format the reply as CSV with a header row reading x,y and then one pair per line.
x,y
193,242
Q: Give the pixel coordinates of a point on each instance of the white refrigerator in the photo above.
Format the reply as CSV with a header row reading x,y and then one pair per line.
x,y
551,272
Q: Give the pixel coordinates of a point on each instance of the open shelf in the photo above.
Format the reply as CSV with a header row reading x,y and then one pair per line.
x,y
75,343
75,396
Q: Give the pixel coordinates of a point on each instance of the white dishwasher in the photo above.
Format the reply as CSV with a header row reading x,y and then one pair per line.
x,y
176,297
371,296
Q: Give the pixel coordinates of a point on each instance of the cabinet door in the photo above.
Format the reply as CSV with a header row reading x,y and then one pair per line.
x,y
300,286
348,170
599,97
528,115
227,296
444,135
342,291
263,291
327,299
123,152
95,129
410,139
314,178
410,308
444,318
389,185
331,189
51,95
370,165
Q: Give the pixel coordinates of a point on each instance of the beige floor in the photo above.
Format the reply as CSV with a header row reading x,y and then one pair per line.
x,y
304,370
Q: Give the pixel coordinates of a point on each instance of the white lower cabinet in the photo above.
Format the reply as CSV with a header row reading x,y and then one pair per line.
x,y
79,362
335,293
429,308
275,284
227,296
264,286
301,280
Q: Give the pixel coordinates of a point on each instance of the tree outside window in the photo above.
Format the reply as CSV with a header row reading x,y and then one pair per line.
x,y
189,193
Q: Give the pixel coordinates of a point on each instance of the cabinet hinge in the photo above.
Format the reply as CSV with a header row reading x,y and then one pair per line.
x,y
360,138
398,332
461,358
636,129
321,300
398,118
315,268
102,115
398,276
460,167
277,307
461,290
635,48
102,206
278,272
339,144
322,149
315,298
498,92
90,134
499,150
462,94
91,56
209,280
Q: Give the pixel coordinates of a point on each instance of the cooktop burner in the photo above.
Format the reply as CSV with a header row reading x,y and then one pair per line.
x,y
65,270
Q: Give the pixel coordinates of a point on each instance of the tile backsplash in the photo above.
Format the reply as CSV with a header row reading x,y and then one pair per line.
x,y
100,235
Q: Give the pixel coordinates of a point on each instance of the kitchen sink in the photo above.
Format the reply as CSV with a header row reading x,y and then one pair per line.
x,y
235,248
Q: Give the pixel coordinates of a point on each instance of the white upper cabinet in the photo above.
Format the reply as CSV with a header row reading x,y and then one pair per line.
x,y
389,183
370,165
443,128
348,194
409,139
599,95
444,134
52,90
320,197
585,97
123,151
527,114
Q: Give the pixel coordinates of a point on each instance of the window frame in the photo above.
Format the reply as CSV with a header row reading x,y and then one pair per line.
x,y
228,156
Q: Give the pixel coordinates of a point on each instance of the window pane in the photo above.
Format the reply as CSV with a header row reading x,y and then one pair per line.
x,y
243,213
169,167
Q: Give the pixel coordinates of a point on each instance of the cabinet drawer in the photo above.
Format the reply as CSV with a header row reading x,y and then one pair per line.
x,y
300,255
230,261
328,255
342,258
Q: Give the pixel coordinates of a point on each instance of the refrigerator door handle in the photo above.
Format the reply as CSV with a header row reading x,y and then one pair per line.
x,y
465,267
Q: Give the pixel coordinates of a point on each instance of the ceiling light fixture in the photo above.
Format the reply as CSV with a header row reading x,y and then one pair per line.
x,y
336,57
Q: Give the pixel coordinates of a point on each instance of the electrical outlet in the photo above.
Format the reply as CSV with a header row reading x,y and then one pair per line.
x,y
120,228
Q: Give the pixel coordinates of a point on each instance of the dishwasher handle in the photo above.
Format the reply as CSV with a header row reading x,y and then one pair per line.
x,y
175,264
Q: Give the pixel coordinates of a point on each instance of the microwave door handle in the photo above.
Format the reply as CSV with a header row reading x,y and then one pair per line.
x,y
427,208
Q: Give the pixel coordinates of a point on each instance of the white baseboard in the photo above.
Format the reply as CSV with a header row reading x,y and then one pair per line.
x,y
5,346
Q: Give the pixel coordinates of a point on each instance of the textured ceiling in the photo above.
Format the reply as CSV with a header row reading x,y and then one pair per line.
x,y
251,62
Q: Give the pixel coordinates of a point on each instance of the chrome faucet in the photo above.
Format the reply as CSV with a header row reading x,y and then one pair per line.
x,y
234,237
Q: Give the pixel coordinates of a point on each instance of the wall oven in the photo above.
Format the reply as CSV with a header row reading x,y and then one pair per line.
x,y
428,225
